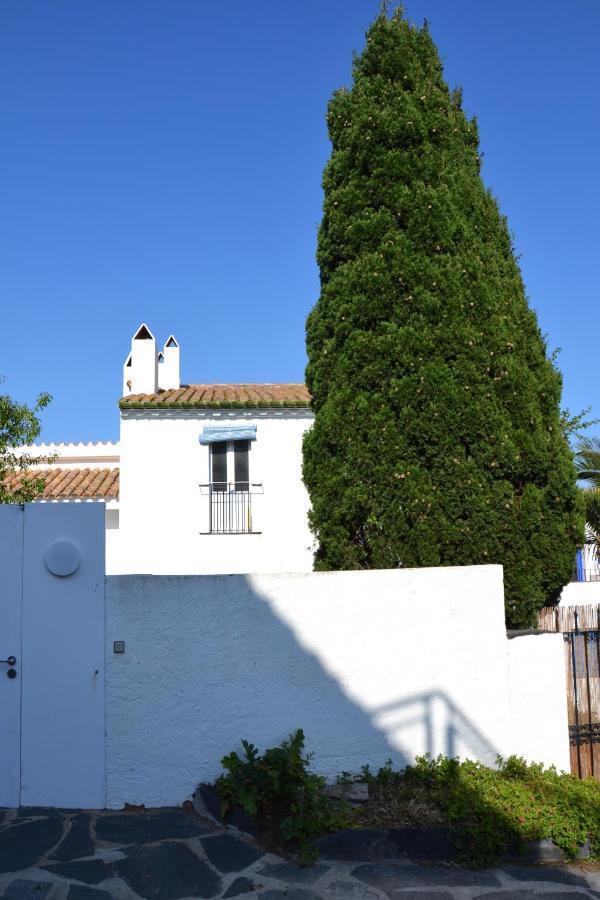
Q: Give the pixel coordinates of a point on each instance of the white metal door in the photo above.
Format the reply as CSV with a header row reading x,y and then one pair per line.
x,y
52,723
11,566
62,719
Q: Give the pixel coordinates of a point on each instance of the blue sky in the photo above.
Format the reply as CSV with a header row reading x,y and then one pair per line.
x,y
161,161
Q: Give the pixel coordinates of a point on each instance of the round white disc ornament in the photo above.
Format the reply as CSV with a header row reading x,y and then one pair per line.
x,y
62,558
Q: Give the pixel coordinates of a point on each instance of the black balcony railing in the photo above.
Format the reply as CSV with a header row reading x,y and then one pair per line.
x,y
230,506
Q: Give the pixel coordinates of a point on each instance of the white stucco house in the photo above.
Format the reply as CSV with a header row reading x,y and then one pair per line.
x,y
205,478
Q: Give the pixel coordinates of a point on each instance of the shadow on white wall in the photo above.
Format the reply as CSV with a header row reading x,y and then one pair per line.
x,y
213,659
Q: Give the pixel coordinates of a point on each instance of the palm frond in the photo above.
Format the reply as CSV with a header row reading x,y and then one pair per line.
x,y
587,460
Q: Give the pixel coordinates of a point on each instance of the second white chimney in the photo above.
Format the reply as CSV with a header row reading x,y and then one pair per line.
x,y
168,368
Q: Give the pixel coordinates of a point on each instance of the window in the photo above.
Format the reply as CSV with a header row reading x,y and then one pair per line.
x,y
229,487
218,461
229,490
230,465
241,465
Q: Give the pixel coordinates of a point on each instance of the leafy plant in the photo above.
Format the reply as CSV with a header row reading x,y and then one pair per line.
x,y
492,811
587,466
277,790
19,424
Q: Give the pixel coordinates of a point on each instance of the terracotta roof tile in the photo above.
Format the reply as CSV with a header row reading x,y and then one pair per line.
x,y
222,395
72,484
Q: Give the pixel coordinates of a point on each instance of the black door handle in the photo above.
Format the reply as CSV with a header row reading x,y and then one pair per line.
x,y
11,660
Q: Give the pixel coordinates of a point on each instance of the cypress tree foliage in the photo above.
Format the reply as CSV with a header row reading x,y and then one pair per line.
x,y
438,437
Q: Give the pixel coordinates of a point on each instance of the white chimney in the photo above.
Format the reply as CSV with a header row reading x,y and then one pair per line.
x,y
140,370
168,365
127,380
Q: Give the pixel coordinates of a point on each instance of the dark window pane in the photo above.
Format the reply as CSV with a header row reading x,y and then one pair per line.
x,y
218,455
241,450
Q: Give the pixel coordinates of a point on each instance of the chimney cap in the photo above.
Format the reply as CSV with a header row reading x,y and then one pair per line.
x,y
143,333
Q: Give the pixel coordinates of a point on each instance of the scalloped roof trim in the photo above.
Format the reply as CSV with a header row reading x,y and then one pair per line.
x,y
72,445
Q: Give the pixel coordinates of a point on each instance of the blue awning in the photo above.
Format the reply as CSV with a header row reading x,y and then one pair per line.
x,y
211,434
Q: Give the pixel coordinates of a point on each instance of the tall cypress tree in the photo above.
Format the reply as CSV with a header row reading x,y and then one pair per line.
x,y
437,437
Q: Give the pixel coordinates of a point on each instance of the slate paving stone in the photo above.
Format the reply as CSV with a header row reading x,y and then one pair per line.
x,y
393,877
357,844
292,894
167,872
555,874
24,843
30,812
207,802
144,828
90,871
353,890
287,872
542,851
239,886
423,843
77,842
585,851
83,892
238,818
230,854
24,889
422,895
530,894
57,840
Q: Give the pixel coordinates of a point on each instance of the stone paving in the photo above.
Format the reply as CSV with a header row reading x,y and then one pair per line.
x,y
170,854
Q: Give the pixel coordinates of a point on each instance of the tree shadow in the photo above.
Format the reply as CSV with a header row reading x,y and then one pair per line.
x,y
214,659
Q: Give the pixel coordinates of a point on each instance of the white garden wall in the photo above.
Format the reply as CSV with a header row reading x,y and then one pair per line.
x,y
539,699
580,593
371,665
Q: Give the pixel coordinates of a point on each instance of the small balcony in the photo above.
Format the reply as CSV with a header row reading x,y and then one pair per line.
x,y
230,506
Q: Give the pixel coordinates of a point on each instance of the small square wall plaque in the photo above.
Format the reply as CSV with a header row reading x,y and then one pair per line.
x,y
119,647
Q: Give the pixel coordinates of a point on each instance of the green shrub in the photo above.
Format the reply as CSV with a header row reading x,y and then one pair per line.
x,y
491,812
278,791
495,811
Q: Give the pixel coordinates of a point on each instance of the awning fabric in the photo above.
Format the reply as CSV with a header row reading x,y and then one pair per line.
x,y
211,434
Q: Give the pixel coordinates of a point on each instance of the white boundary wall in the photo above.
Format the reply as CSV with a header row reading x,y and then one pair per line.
x,y
538,692
371,665
580,593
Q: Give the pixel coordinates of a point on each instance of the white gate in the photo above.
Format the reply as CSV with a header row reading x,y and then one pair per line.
x,y
52,719
11,567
